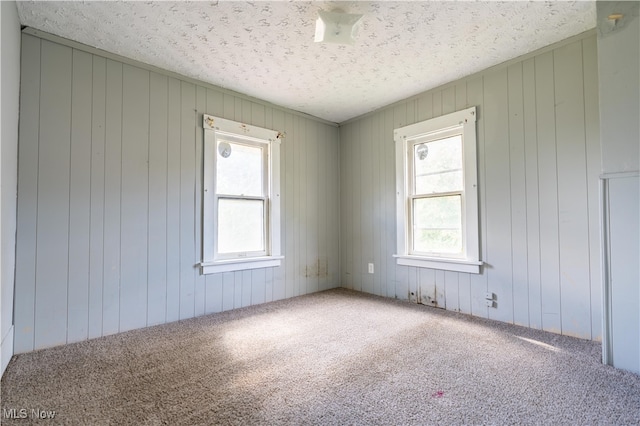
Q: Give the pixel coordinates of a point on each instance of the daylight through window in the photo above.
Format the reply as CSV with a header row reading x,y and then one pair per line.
x,y
437,213
241,223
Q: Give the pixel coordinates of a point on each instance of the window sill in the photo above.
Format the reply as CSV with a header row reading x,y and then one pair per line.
x,y
240,264
456,265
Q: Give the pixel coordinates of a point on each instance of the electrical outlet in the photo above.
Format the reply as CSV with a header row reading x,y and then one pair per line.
x,y
371,268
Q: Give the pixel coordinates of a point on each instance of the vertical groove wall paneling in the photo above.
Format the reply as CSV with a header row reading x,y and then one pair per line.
x,y
532,194
27,210
334,228
324,208
109,200
518,196
345,214
427,287
173,200
535,172
329,181
439,285
97,195
390,190
575,293
157,217
52,250
376,206
548,190
245,287
538,165
366,193
353,211
498,184
377,138
312,262
327,194
112,194
289,185
592,130
228,291
301,201
293,188
134,206
79,198
187,199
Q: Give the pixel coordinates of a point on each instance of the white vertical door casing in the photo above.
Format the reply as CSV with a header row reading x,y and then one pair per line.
x,y
623,241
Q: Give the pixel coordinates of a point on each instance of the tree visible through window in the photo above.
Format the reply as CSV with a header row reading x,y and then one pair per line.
x,y
437,196
437,193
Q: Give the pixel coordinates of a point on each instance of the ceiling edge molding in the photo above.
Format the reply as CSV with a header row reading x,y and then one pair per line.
x,y
553,46
108,55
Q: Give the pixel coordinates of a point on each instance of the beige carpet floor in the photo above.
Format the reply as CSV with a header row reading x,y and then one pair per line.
x,y
336,357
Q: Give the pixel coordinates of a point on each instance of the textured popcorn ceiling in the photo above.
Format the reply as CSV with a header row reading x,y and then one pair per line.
x,y
266,49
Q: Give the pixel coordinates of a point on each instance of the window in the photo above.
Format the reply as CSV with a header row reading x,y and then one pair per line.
x,y
241,200
437,204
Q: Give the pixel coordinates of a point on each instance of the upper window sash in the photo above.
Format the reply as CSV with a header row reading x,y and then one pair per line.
x,y
426,139
247,141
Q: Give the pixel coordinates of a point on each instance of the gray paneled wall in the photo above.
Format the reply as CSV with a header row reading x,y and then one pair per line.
x,y
619,68
538,165
110,166
9,108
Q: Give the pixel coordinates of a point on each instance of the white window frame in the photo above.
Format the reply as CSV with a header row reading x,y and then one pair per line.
x,y
463,123
214,129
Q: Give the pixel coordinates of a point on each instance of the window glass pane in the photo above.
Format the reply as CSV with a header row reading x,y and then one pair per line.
x,y
438,166
239,169
240,225
437,225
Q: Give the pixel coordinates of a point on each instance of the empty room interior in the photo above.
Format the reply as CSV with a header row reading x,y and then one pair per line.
x,y
295,212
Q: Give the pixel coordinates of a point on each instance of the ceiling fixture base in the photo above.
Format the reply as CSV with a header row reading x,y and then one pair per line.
x,y
337,27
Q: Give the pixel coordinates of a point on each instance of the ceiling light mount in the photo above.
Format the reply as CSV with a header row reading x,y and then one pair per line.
x,y
337,27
